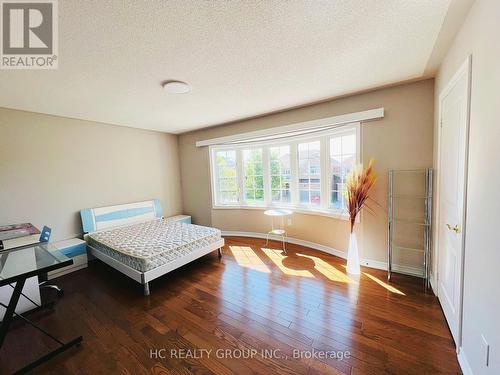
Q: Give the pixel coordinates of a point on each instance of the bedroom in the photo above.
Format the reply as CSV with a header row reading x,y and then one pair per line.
x,y
167,142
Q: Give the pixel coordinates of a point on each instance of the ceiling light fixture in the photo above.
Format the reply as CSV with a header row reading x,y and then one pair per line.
x,y
176,87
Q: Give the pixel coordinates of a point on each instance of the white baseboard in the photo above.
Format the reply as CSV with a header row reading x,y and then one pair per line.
x,y
414,271
464,363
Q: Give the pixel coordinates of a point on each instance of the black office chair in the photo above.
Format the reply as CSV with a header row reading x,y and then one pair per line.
x,y
44,238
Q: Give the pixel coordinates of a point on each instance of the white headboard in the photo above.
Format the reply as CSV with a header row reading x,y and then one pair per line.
x,y
100,218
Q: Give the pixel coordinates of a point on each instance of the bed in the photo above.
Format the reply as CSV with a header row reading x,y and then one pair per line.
x,y
138,241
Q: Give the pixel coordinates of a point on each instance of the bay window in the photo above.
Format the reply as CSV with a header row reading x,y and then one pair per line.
x,y
305,172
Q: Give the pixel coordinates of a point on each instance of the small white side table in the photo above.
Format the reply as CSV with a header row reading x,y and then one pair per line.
x,y
280,231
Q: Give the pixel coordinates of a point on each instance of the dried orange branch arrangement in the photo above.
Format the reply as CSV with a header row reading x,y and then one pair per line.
x,y
358,185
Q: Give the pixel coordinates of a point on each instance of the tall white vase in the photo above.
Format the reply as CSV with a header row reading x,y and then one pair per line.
x,y
353,256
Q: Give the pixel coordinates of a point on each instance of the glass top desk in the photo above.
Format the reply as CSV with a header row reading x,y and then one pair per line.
x,y
16,266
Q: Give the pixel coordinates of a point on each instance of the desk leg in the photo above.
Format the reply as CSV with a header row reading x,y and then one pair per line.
x,y
52,354
9,316
11,309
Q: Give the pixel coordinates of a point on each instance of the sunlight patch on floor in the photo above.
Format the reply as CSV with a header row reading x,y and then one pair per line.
x,y
277,258
327,270
390,288
247,258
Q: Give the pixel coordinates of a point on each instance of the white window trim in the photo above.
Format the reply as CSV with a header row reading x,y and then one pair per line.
x,y
280,132
323,210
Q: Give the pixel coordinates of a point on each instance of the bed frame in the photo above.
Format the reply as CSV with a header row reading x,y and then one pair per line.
x,y
96,219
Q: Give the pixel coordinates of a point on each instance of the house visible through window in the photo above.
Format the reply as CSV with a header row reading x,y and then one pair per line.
x,y
306,172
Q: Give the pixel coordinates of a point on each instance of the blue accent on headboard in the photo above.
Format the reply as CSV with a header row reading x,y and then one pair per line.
x,y
45,234
87,220
158,208
123,214
100,218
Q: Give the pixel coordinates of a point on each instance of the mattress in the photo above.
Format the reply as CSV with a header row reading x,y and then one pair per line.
x,y
145,246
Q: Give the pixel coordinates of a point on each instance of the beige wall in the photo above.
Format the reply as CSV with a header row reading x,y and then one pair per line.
x,y
51,167
402,139
481,306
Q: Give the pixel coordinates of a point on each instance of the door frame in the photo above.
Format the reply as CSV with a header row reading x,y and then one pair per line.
x,y
465,68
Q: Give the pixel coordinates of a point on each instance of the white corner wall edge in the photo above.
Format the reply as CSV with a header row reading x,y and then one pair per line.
x,y
348,118
464,363
433,283
329,250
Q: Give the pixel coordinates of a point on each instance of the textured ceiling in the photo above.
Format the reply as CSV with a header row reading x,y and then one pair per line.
x,y
242,58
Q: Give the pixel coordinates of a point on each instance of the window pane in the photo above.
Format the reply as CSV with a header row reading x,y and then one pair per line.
x,y
275,167
259,195
309,173
335,146
276,195
228,197
342,158
253,172
258,170
286,196
336,199
335,162
347,163
349,144
303,167
249,183
314,185
315,197
275,182
280,173
285,182
249,195
227,183
304,196
259,182
314,169
336,181
226,162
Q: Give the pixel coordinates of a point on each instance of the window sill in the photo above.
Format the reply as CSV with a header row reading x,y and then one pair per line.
x,y
334,214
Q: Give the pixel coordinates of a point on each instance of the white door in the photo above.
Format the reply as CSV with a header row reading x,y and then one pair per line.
x,y
453,142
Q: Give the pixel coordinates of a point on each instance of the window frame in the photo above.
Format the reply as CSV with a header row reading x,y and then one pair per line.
x,y
324,136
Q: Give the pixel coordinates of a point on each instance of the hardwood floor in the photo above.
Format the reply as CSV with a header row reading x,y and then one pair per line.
x,y
253,299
